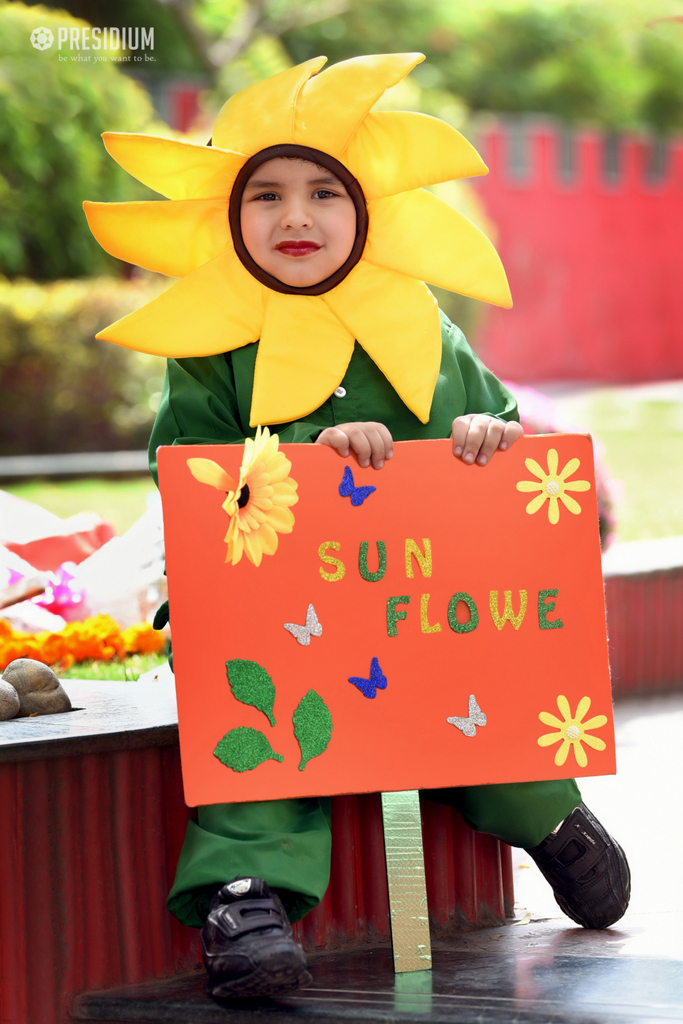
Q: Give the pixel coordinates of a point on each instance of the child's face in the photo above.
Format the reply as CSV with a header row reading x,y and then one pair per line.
x,y
298,221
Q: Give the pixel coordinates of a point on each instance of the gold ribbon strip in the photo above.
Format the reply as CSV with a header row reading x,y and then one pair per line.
x,y
406,877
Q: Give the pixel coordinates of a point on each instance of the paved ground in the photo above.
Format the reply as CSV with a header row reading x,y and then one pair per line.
x,y
541,969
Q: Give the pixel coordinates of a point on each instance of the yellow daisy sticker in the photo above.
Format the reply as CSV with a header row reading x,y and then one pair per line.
x,y
305,340
553,487
572,731
259,502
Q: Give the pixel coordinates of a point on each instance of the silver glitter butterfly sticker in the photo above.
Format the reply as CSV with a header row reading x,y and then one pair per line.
x,y
475,717
303,634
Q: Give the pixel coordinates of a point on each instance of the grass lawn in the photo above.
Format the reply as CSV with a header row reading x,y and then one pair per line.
x,y
127,670
121,502
640,430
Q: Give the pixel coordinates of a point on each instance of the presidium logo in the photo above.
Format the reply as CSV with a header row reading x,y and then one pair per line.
x,y
81,37
42,38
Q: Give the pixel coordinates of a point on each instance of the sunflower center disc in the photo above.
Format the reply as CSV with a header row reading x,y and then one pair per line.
x,y
552,487
244,497
573,732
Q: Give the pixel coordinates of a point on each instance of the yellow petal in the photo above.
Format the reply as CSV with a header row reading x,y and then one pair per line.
x,y
420,235
577,485
561,755
172,238
216,308
584,705
549,719
397,151
534,468
285,495
281,519
553,511
563,707
235,546
549,738
176,169
332,105
595,742
570,504
570,468
399,333
268,539
552,462
230,505
595,723
278,468
208,472
536,503
528,485
252,548
302,357
580,755
262,115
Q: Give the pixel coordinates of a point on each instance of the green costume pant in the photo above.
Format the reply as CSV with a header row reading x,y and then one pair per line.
x,y
288,842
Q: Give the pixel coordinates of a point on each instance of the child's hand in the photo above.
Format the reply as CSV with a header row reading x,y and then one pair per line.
x,y
371,442
476,437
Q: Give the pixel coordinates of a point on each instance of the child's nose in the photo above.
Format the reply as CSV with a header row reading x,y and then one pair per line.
x,y
297,214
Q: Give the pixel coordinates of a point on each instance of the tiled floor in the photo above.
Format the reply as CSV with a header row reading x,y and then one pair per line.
x,y
543,969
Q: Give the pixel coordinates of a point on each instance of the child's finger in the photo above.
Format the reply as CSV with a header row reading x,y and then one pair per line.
x,y
492,438
368,444
360,443
387,438
459,431
335,438
476,436
512,432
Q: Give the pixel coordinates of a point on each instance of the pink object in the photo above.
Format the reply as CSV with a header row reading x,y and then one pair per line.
x,y
594,263
62,595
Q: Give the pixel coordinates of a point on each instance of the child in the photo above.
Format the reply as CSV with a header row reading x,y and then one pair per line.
x,y
330,339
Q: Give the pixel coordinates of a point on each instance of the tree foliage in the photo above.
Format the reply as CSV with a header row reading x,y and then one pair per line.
x,y
613,63
52,113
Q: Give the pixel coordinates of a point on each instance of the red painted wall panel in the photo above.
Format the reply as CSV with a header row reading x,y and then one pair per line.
x,y
644,617
88,848
594,263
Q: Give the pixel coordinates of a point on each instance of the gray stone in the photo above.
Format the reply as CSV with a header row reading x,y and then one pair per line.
x,y
9,701
39,689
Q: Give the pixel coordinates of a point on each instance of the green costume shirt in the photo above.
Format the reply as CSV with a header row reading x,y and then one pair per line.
x,y
207,400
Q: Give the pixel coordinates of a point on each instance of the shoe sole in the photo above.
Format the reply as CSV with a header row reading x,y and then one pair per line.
x,y
276,972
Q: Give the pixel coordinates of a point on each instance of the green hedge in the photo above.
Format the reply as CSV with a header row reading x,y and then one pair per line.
x,y
52,113
63,391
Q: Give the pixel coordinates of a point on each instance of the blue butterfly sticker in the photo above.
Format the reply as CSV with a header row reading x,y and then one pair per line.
x,y
377,681
347,489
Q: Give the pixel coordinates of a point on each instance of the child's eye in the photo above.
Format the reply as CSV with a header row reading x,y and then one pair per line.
x,y
267,197
324,193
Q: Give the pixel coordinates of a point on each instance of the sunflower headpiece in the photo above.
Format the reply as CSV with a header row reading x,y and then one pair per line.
x,y
378,298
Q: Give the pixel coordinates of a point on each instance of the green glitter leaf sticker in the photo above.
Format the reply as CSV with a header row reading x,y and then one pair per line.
x,y
244,749
251,684
312,726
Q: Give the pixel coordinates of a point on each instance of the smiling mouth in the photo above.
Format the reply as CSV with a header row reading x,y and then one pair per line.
x,y
297,248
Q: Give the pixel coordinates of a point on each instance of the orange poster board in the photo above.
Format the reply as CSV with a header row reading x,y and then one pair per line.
x,y
406,637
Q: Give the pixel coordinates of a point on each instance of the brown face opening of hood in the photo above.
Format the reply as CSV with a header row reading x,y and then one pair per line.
x,y
351,185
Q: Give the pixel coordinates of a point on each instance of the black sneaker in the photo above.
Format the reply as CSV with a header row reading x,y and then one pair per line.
x,y
247,943
587,870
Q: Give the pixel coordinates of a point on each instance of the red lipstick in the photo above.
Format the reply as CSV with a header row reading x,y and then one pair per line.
x,y
297,247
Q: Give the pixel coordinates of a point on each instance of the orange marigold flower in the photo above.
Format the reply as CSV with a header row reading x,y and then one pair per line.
x,y
99,638
142,639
